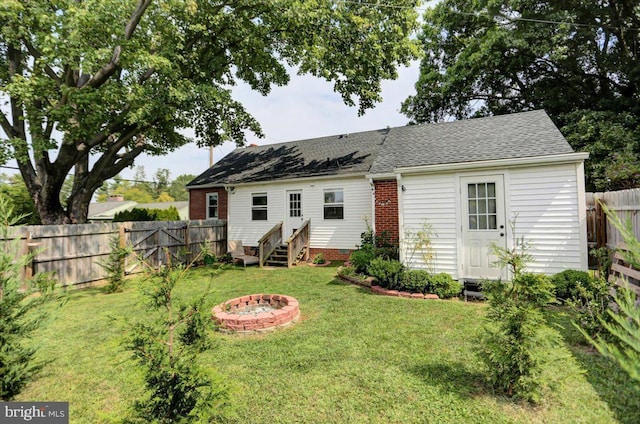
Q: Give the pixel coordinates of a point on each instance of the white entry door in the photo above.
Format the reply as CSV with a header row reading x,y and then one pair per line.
x,y
483,223
294,217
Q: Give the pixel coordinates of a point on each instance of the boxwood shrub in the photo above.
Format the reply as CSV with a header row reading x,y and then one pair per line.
x,y
387,272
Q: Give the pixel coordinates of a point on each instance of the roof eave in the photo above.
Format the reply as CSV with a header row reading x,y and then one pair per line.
x,y
497,163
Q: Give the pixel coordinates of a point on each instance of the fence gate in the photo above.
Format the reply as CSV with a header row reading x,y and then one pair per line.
x,y
155,246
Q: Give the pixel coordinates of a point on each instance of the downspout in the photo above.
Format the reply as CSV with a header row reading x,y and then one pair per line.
x,y
401,241
373,204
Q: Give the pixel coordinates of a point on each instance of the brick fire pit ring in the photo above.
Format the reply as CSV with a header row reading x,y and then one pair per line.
x,y
256,313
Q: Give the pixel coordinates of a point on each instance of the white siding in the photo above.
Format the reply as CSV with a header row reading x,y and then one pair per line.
x,y
545,203
431,199
545,200
332,233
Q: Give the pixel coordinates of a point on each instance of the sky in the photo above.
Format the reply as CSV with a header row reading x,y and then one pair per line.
x,y
306,108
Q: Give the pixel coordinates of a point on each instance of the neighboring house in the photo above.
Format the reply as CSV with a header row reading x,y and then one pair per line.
x,y
105,211
469,180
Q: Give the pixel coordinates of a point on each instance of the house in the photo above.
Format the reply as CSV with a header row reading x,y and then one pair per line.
x,y
469,181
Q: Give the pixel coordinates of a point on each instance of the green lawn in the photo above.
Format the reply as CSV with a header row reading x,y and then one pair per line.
x,y
353,357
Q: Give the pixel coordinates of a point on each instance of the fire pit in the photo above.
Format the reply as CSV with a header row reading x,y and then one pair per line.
x,y
256,313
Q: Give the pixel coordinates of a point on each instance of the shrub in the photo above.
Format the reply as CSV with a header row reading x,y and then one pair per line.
x,y
178,389
20,309
444,286
319,259
566,283
143,214
360,259
589,297
114,265
226,258
416,281
388,273
623,328
516,339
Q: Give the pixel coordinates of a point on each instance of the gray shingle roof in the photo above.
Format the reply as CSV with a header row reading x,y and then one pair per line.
x,y
517,135
511,136
335,155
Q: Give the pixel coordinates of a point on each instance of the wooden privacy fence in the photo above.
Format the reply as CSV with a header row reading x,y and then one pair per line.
x,y
74,252
600,231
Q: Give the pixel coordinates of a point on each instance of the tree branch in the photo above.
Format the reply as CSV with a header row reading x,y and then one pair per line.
x,y
107,70
6,125
36,55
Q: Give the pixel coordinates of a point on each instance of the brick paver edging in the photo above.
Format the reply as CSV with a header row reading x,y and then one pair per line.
x,y
286,311
396,293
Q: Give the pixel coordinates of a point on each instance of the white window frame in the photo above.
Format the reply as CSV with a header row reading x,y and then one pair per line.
x,y
335,204
257,208
209,207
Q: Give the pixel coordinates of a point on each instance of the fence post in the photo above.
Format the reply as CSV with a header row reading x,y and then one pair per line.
x,y
601,225
187,243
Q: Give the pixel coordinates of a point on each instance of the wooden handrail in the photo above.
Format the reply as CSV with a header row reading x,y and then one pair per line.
x,y
269,242
298,241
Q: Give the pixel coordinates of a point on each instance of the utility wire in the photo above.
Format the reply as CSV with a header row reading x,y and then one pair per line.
x,y
486,15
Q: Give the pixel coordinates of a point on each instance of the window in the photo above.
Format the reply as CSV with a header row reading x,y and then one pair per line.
x,y
212,205
295,205
259,207
334,204
482,206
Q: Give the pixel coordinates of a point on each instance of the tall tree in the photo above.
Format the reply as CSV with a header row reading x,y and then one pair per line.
x,y
111,79
579,60
178,190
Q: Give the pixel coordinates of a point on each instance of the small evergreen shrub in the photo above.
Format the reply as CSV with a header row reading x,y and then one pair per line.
x,y
167,346
516,338
114,265
388,273
360,259
444,286
416,281
21,311
566,283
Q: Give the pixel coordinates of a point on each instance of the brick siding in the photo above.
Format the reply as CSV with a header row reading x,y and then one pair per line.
x,y
386,208
198,202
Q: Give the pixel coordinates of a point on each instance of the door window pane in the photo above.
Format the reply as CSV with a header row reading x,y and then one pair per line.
x,y
482,206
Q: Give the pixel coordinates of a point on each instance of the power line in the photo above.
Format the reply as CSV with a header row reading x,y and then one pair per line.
x,y
486,15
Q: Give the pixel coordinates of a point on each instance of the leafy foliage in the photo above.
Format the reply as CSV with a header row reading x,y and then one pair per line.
x,y
416,281
118,80
566,283
444,286
515,336
419,241
387,272
20,309
319,259
178,389
621,339
144,214
115,264
360,259
574,59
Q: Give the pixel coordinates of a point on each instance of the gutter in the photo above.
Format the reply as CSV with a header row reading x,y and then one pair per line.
x,y
498,163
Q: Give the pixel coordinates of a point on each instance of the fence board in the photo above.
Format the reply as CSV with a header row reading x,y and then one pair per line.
x,y
74,252
626,205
